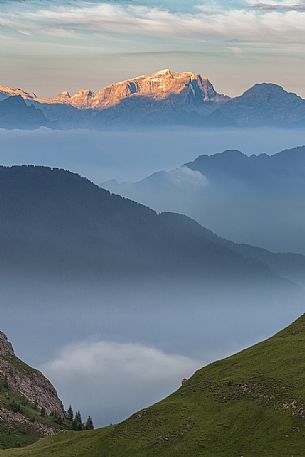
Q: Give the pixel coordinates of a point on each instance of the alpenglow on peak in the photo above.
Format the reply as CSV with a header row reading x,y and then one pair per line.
x,y
185,87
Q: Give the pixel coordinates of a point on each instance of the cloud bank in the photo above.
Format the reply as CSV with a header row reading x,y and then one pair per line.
x,y
112,380
280,6
254,21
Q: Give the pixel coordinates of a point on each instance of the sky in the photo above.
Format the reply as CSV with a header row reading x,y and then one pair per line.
x,y
51,46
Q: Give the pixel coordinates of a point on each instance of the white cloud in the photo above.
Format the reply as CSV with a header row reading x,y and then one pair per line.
x,y
259,22
186,178
112,380
289,5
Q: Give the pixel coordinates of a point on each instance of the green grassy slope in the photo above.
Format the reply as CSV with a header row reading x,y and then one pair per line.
x,y
251,404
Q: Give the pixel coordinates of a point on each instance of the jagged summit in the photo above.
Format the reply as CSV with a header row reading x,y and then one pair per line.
x,y
164,84
8,92
165,97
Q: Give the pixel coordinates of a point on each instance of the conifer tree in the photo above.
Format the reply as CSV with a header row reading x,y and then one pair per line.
x,y
70,414
89,424
77,423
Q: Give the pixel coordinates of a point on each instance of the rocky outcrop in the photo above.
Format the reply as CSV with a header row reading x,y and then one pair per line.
x,y
29,405
27,382
15,420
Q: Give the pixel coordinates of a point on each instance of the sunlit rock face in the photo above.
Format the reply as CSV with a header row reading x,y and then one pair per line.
x,y
177,88
191,88
6,92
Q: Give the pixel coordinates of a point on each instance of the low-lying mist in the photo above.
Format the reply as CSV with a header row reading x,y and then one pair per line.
x,y
112,350
135,153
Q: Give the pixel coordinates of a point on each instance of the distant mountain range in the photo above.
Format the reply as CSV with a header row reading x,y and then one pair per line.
x,y
56,224
250,404
165,97
257,199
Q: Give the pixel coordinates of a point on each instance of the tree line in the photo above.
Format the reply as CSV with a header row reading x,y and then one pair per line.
x,y
76,421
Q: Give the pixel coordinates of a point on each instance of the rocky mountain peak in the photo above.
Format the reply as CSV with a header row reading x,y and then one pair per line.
x,y
6,92
64,95
165,72
6,347
183,88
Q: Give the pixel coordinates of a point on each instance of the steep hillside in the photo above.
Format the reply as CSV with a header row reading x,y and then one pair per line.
x,y
29,405
251,404
54,222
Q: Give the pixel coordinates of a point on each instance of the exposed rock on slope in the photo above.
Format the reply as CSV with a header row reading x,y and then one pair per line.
x,y
29,405
26,381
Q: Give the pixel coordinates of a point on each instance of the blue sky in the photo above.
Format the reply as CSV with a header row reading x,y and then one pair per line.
x,y
49,46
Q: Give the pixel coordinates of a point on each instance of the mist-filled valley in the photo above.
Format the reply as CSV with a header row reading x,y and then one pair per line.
x,y
113,349
152,228
178,296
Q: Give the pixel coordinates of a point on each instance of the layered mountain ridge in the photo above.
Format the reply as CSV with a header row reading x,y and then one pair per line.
x,y
255,199
58,224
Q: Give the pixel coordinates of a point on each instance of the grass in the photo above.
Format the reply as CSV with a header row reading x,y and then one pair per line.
x,y
251,404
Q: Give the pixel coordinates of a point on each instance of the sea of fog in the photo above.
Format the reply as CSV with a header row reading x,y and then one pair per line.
x,y
129,155
111,352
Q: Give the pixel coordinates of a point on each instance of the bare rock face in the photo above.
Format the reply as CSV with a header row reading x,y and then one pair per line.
x,y
29,405
9,92
26,381
176,87
5,346
159,86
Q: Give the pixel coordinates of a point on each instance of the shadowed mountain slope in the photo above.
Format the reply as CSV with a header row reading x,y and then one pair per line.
x,y
55,222
15,113
262,105
257,199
